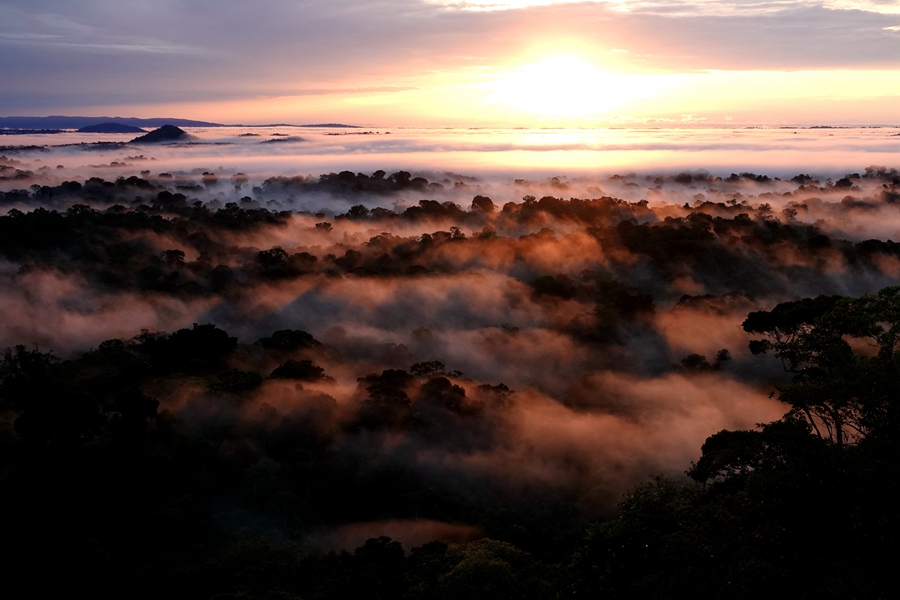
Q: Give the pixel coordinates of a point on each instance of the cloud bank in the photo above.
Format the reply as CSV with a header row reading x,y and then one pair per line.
x,y
487,336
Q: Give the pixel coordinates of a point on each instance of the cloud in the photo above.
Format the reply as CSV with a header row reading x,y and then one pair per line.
x,y
581,293
885,7
681,8
52,40
197,51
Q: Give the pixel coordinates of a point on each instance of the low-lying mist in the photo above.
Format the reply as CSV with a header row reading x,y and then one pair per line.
x,y
457,339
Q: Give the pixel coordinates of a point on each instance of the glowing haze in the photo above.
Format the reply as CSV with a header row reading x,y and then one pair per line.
x,y
457,62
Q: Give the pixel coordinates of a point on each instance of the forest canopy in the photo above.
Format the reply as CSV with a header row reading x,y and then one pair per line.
x,y
210,390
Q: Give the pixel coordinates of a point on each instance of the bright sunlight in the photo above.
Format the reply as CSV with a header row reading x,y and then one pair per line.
x,y
564,86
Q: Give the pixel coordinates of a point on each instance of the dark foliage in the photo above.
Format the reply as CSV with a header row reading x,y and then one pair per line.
x,y
119,483
129,489
800,505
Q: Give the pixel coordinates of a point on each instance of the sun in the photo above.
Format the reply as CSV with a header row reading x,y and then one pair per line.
x,y
565,86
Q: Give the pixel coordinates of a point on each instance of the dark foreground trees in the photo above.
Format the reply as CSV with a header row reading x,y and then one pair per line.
x,y
803,507
104,493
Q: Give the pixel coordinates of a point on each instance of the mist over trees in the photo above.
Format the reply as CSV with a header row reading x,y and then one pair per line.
x,y
218,393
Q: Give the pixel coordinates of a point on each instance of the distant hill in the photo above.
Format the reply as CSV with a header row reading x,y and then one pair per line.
x,y
28,131
111,128
166,133
290,138
62,122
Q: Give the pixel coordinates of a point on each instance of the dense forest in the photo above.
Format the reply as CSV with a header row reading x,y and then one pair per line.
x,y
208,394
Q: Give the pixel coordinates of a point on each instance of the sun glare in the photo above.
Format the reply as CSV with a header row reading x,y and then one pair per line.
x,y
564,86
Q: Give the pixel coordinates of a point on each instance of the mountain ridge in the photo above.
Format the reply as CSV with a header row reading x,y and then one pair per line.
x,y
78,122
66,122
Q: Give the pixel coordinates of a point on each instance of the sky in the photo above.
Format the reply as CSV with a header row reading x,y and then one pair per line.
x,y
456,63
